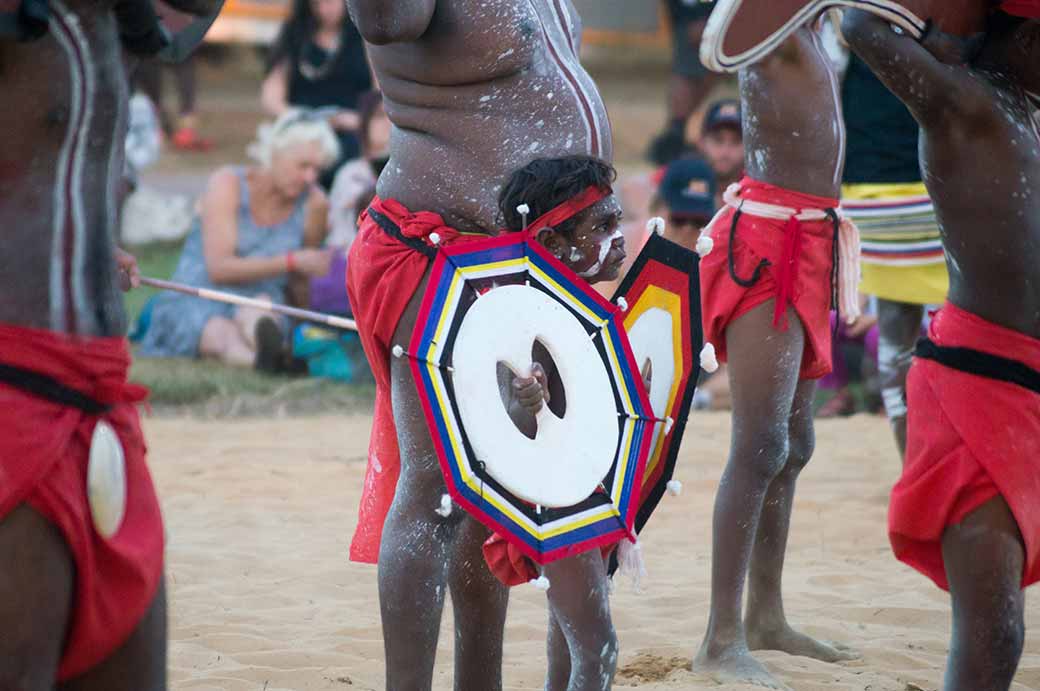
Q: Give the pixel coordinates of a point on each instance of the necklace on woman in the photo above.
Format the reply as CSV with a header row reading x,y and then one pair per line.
x,y
315,72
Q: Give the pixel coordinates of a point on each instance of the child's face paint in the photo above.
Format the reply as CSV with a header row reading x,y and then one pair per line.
x,y
595,250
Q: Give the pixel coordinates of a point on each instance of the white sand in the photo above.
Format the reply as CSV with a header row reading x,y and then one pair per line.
x,y
260,513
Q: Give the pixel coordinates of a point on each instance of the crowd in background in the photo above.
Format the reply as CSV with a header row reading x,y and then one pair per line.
x,y
281,227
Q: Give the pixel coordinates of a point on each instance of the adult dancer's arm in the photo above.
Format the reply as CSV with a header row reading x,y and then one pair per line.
x,y
928,76
392,21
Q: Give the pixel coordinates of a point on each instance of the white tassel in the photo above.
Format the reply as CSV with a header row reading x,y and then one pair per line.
x,y
669,423
444,510
708,360
622,304
398,351
631,563
542,583
674,487
655,226
704,245
523,209
435,239
848,270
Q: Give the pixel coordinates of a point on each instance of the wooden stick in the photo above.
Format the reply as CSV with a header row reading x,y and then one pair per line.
x,y
231,298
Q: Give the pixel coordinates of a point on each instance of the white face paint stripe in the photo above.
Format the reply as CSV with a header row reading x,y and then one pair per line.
x,y
60,228
78,159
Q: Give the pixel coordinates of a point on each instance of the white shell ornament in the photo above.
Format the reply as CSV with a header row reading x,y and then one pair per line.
x,y
106,481
709,362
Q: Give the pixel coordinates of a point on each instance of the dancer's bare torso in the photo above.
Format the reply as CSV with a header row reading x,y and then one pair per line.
x,y
794,134
62,131
983,171
487,87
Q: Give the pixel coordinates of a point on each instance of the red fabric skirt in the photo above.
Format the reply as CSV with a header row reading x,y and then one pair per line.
x,y
799,272
969,439
44,451
385,267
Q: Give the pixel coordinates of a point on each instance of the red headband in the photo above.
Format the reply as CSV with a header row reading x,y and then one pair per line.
x,y
1030,9
569,209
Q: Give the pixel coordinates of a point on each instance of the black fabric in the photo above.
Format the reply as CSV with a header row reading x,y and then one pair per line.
x,y
318,79
28,22
980,364
391,229
49,389
882,136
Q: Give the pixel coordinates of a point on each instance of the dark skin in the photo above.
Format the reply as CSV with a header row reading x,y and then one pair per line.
x,y
795,139
36,568
475,89
980,149
422,552
581,645
685,230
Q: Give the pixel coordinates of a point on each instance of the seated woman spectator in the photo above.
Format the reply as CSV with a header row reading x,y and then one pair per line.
x,y
259,233
319,61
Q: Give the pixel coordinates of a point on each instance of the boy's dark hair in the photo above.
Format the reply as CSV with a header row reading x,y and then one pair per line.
x,y
545,183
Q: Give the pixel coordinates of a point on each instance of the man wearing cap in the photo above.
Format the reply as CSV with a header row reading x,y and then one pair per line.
x,y
688,193
691,82
722,143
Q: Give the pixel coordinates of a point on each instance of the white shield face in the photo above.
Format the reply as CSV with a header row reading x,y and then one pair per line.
x,y
106,480
569,456
651,339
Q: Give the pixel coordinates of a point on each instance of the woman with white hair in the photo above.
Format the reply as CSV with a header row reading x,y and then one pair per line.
x,y
258,233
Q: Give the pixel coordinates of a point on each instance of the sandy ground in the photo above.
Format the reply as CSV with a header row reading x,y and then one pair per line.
x,y
260,513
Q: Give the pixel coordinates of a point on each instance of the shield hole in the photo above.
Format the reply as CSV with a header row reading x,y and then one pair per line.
x,y
557,394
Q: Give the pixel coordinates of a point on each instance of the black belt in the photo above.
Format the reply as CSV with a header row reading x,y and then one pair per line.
x,y
980,364
50,389
391,229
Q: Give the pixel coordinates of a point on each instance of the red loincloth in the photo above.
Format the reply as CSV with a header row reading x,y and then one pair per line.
x,y
44,450
510,566
969,439
804,281
383,273
1030,9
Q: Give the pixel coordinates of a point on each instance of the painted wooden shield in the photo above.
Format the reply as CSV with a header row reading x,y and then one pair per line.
x,y
742,32
663,320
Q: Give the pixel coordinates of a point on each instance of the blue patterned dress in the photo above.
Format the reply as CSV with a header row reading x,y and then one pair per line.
x,y
177,320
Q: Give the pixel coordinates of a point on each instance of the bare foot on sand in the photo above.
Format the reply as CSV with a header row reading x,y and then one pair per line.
x,y
735,666
792,642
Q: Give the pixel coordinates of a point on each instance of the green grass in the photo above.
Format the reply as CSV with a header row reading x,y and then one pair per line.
x,y
156,260
211,388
